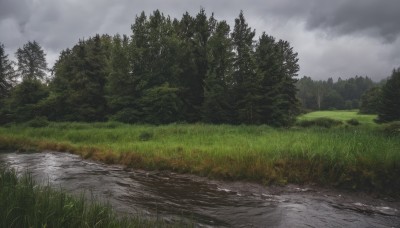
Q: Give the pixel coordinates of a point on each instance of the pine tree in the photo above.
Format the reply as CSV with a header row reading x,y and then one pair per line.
x,y
390,102
155,59
268,69
277,66
7,73
31,61
217,105
289,106
194,34
370,101
246,82
121,95
78,87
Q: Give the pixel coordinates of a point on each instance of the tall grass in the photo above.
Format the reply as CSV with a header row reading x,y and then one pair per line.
x,y
357,157
25,204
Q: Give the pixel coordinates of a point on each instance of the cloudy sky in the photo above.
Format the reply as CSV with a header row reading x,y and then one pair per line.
x,y
340,38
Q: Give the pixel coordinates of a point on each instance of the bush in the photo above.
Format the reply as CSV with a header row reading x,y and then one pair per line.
x,y
392,128
145,136
38,122
353,122
320,122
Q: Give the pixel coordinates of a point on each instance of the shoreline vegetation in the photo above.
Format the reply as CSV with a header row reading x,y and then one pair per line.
x,y
355,154
26,204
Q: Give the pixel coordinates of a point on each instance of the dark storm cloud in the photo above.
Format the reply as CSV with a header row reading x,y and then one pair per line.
x,y
326,33
368,17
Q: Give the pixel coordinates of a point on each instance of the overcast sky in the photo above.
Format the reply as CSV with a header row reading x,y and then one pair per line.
x,y
334,38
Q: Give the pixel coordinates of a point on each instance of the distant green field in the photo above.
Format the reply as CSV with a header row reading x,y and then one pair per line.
x,y
342,115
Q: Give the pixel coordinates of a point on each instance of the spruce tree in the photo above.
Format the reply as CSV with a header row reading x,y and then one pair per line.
x,y
7,73
289,104
277,66
370,101
246,82
217,105
121,96
390,102
78,87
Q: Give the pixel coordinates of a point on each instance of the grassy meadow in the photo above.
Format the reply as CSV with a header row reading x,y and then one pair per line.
x,y
342,115
357,157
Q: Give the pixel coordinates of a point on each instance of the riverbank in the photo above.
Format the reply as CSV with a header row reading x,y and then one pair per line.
x,y
351,157
24,203
191,199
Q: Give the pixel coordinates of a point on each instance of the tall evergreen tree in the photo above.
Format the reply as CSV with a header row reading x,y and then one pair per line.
x,y
121,94
217,105
268,68
390,102
31,61
370,101
155,44
246,82
194,33
7,73
289,67
25,98
79,82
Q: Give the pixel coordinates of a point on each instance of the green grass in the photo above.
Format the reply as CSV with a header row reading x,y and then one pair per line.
x,y
358,157
25,204
342,115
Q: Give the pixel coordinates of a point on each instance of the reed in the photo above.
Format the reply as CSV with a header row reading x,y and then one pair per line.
x,y
25,204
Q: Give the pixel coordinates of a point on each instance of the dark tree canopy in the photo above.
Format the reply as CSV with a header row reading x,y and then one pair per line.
x,y
7,73
370,101
390,101
326,95
168,70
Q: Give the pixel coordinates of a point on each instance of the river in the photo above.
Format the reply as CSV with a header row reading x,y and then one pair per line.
x,y
206,203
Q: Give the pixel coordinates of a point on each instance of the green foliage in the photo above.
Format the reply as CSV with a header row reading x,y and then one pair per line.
x,y
370,101
188,70
7,74
277,67
320,122
32,63
390,103
79,82
145,136
328,95
353,122
160,105
217,106
25,98
392,128
246,81
38,122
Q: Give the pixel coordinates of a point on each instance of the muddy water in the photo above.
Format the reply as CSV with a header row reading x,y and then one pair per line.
x,y
176,197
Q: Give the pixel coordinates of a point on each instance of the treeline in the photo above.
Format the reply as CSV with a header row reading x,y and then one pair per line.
x,y
361,93
330,95
168,70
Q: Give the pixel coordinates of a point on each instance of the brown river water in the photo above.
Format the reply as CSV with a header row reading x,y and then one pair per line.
x,y
204,202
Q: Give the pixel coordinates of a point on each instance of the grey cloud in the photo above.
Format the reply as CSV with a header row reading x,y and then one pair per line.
x,y
368,17
59,24
19,10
